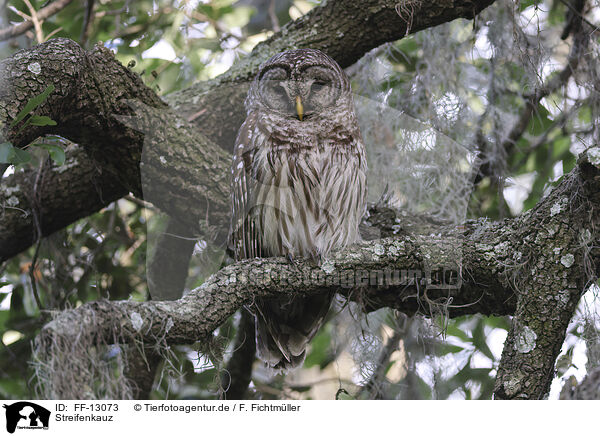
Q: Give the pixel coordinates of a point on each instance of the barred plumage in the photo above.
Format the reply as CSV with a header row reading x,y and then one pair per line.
x,y
299,185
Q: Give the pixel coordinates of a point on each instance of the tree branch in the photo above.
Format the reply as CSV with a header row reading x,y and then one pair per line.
x,y
236,378
344,29
558,265
70,192
42,14
183,172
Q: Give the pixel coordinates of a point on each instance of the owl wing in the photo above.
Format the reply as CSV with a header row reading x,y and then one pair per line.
x,y
244,237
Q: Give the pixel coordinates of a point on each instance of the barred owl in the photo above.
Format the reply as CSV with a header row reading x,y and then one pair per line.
x,y
298,187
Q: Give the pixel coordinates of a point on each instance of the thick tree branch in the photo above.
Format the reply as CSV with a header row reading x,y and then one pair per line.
x,y
344,29
182,172
558,262
369,273
70,192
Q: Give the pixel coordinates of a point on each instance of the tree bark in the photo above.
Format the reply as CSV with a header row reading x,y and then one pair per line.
x,y
553,265
70,192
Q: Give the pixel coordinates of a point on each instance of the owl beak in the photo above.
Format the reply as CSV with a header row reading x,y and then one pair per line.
x,y
299,107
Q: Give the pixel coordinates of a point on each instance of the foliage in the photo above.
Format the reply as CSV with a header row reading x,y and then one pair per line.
x,y
13,155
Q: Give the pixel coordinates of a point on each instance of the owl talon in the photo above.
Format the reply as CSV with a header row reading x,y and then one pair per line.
x,y
291,260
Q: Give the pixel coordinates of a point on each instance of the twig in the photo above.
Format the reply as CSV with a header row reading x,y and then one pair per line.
x,y
19,13
580,15
119,11
139,202
273,16
371,388
236,378
42,14
39,34
35,203
87,21
51,34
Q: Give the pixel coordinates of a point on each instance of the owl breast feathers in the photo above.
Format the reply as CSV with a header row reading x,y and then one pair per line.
x,y
299,186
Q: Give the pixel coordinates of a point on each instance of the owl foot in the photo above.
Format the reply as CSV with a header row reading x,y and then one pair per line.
x,y
292,261
316,259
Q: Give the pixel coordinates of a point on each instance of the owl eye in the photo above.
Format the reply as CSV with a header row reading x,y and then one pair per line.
x,y
274,95
323,94
275,92
279,90
319,84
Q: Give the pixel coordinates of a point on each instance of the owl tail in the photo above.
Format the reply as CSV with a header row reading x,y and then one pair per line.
x,y
284,328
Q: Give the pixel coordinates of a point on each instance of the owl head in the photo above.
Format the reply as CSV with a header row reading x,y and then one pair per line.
x,y
302,84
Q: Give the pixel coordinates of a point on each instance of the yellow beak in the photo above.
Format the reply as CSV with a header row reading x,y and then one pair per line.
x,y
299,107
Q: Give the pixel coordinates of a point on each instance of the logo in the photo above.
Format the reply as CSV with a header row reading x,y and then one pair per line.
x,y
26,415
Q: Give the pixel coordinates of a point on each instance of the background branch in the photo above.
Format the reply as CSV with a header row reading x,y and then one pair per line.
x,y
532,102
42,14
238,373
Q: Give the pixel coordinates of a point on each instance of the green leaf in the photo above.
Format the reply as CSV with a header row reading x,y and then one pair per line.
x,y
206,377
4,316
524,4
343,394
423,388
453,330
212,44
449,348
497,322
479,340
569,162
6,149
319,350
57,154
540,122
32,104
585,115
560,146
19,156
38,120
